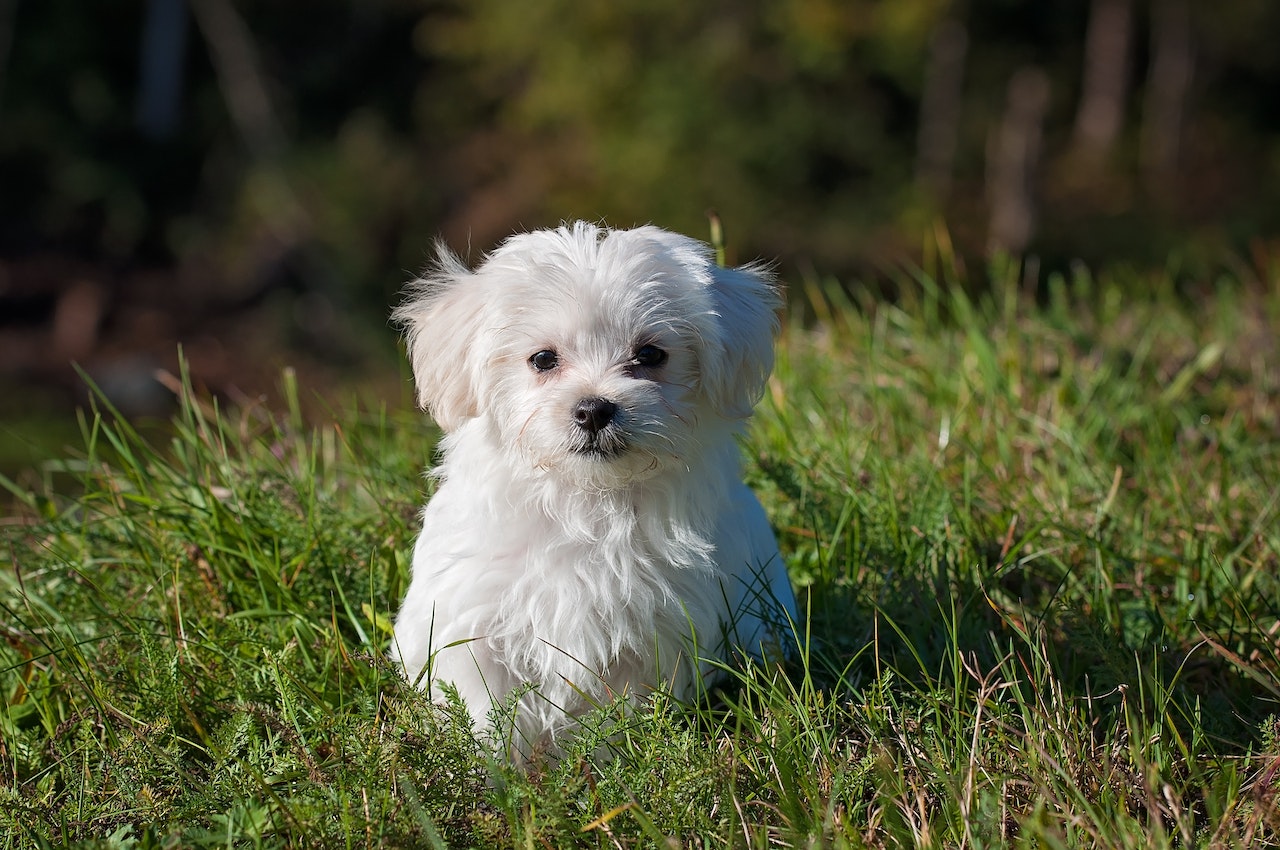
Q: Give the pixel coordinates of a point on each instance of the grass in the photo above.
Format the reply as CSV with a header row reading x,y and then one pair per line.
x,y
1037,533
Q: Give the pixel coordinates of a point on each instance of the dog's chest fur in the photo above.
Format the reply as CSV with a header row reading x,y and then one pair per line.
x,y
593,588
621,561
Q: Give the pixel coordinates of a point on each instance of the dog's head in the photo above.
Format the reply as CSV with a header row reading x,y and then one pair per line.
x,y
600,353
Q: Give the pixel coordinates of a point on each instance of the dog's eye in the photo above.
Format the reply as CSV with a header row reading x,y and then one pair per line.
x,y
650,355
544,361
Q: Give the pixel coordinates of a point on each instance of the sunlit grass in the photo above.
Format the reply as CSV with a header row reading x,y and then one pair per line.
x,y
1036,529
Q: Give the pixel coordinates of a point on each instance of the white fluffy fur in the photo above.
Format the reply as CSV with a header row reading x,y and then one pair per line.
x,y
588,567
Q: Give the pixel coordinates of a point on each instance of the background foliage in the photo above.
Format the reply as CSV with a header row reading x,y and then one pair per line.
x,y
352,133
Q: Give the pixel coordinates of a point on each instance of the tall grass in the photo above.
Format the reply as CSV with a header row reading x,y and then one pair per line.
x,y
1035,529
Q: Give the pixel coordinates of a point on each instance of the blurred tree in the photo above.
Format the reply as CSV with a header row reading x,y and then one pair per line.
x,y
161,68
1168,84
941,106
793,117
266,145
1013,163
1101,111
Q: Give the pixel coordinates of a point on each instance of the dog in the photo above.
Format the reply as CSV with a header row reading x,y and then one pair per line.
x,y
591,535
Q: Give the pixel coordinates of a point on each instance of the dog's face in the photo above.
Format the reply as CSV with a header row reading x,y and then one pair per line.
x,y
594,354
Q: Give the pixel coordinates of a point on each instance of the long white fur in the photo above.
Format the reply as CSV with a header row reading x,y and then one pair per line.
x,y
587,575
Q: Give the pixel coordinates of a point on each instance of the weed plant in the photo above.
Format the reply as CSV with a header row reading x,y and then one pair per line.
x,y
1035,531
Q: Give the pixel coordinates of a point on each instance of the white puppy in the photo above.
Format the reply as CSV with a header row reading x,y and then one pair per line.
x,y
591,534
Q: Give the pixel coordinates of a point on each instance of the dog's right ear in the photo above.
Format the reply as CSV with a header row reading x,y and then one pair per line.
x,y
442,317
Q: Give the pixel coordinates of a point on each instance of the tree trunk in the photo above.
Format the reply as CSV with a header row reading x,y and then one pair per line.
x,y
940,107
1105,79
1168,82
1013,161
164,51
243,85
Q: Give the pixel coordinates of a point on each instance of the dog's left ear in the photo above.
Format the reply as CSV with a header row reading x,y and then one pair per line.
x,y
746,301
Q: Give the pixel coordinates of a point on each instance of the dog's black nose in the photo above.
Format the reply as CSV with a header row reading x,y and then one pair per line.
x,y
593,414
